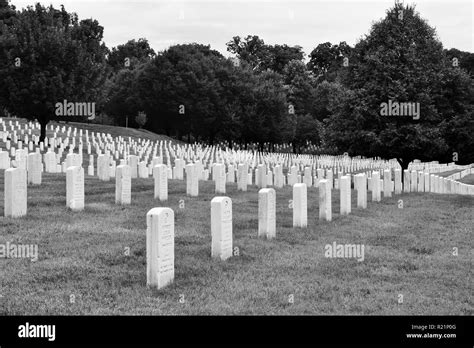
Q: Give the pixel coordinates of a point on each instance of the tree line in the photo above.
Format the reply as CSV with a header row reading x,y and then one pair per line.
x,y
265,95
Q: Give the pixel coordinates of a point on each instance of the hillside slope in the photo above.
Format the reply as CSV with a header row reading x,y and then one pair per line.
x,y
98,128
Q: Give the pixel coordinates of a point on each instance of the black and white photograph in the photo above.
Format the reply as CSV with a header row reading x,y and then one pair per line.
x,y
168,163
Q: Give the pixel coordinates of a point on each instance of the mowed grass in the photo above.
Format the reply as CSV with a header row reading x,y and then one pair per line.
x,y
91,127
408,251
448,173
468,179
116,131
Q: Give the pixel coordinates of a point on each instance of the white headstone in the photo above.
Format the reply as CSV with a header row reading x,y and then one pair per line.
x,y
123,185
292,176
376,188
160,174
387,183
178,169
15,192
427,182
406,180
160,247
361,180
230,174
4,160
413,181
398,181
142,170
50,164
345,194
279,178
112,169
262,176
103,171
308,177
316,181
325,207
421,182
219,177
269,178
21,158
242,175
192,180
267,213
221,227
300,205
133,163
75,188
34,168
330,178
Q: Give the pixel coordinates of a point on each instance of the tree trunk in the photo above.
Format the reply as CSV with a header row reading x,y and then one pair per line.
x,y
404,164
43,131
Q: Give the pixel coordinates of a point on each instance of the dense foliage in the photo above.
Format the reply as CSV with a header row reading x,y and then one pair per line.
x,y
266,95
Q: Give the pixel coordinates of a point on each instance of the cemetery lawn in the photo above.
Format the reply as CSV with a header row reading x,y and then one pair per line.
x,y
408,251
448,173
114,131
468,179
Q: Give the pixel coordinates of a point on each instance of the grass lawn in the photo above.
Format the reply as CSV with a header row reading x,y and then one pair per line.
x,y
91,127
468,179
408,251
448,173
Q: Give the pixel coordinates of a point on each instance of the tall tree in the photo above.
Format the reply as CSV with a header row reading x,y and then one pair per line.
x,y
326,60
260,56
7,14
179,89
121,100
49,57
401,60
130,54
125,62
300,88
281,55
300,84
326,96
251,50
464,60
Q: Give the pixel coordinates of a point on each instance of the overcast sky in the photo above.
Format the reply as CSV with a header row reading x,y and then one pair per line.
x,y
305,23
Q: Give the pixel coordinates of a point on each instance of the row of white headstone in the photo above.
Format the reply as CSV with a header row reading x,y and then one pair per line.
x,y
307,165
16,180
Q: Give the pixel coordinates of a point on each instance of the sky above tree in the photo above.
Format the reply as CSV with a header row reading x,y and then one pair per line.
x,y
304,23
